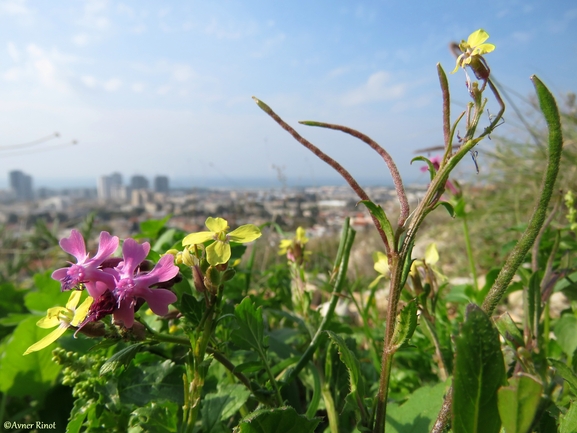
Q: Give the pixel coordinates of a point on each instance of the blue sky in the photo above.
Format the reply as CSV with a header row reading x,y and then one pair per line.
x,y
149,87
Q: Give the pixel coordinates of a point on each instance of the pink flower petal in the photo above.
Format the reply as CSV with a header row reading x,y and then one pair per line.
x,y
75,245
159,299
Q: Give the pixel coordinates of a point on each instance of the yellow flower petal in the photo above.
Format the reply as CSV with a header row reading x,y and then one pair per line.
x,y
431,254
48,340
51,319
477,38
218,253
245,233
381,263
74,299
483,49
301,237
197,238
82,311
216,225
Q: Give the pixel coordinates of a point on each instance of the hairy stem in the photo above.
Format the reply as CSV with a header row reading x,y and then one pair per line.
x,y
397,180
323,156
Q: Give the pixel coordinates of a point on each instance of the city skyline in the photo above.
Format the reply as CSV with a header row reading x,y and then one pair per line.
x,y
98,86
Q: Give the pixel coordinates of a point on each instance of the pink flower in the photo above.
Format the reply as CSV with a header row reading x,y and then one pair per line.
x,y
87,271
131,286
436,161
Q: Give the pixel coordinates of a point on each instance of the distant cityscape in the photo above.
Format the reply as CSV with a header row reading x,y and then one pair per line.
x,y
122,206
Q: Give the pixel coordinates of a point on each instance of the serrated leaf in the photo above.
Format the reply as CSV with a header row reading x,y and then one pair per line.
x,y
568,422
77,417
378,212
419,412
222,405
406,325
518,403
479,372
121,358
155,417
192,308
565,372
250,332
509,331
352,363
151,379
279,420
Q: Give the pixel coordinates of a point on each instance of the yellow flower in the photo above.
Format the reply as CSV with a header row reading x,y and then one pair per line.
x,y
63,318
219,251
293,248
474,46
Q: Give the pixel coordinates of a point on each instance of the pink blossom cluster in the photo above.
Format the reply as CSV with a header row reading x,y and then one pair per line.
x,y
118,285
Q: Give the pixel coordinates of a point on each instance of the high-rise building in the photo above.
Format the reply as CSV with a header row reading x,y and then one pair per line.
x,y
138,182
161,184
21,185
108,186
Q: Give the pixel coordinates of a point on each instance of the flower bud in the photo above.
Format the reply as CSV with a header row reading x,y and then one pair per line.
x,y
198,279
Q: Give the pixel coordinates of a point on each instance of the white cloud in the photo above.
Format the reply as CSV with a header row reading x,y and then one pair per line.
x,y
163,90
112,85
12,74
559,26
88,81
13,52
522,36
377,88
182,73
138,87
80,39
14,7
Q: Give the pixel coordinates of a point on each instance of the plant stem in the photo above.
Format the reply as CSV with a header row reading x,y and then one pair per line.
x,y
397,180
470,252
338,286
324,157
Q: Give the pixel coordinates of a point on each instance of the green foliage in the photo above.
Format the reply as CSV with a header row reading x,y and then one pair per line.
x,y
518,403
479,372
281,420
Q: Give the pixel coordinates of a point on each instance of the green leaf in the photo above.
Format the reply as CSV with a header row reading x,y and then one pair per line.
x,y
357,389
155,417
32,374
222,405
509,331
479,372
250,332
432,169
448,206
533,309
568,422
378,212
566,333
151,379
419,412
151,228
77,416
192,308
47,295
406,325
518,403
280,420
565,372
121,358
